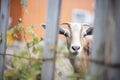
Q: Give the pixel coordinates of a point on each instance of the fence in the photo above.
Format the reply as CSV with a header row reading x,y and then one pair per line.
x,y
4,13
105,44
105,63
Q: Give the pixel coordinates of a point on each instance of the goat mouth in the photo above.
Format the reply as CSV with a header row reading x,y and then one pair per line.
x,y
75,53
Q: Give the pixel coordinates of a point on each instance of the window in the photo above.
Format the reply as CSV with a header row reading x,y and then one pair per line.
x,y
81,16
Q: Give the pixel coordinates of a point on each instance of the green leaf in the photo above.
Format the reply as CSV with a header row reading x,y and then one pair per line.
x,y
19,27
40,48
34,50
11,75
35,40
90,78
74,76
82,72
24,53
29,44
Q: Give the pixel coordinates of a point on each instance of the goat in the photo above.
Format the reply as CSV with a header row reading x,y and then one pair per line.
x,y
78,43
81,61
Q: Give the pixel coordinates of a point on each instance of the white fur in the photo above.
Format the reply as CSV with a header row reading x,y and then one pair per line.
x,y
75,28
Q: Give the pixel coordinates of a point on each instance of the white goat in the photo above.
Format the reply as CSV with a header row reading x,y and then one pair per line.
x,y
78,43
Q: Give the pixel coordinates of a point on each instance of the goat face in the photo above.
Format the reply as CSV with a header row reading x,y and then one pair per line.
x,y
75,34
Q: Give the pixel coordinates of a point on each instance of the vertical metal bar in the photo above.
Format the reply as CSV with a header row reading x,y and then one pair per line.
x,y
4,14
53,14
99,38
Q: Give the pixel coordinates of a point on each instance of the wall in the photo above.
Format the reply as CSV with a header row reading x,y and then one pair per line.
x,y
37,10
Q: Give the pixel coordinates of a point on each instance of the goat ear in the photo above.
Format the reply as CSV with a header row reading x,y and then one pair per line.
x,y
65,31
44,26
61,30
89,31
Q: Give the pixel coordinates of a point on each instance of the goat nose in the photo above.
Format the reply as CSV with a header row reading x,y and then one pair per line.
x,y
75,47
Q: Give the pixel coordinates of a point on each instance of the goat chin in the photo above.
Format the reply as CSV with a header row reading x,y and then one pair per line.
x,y
81,62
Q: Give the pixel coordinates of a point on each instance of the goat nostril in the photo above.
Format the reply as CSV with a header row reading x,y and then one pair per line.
x,y
78,47
75,47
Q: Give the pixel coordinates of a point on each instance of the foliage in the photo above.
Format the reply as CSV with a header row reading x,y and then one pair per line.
x,y
24,65
90,78
80,76
23,70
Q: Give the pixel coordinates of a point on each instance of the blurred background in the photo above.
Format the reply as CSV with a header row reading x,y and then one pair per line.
x,y
33,12
25,37
22,58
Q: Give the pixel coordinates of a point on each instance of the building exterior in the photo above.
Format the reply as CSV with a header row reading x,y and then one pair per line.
x,y
71,11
